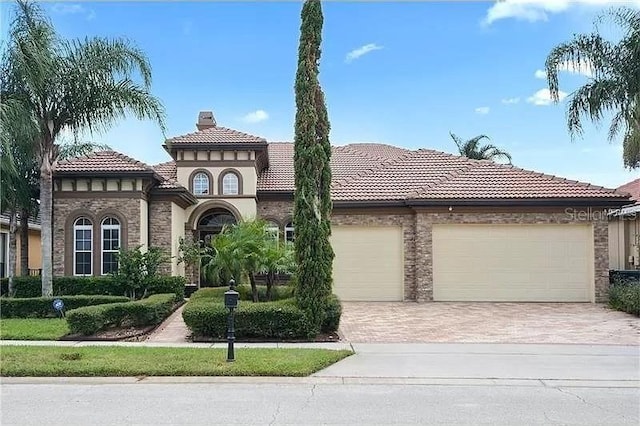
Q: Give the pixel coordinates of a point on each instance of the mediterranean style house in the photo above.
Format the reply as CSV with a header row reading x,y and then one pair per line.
x,y
412,225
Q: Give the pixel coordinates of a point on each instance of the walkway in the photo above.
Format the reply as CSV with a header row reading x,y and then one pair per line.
x,y
172,330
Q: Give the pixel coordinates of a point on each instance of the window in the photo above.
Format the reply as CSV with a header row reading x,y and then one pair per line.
x,y
289,233
110,245
273,230
201,184
230,184
82,244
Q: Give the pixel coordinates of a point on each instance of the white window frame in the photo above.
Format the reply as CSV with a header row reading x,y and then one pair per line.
x,y
198,179
83,227
289,228
227,188
273,229
111,227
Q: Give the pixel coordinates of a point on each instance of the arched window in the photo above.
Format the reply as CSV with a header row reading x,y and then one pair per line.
x,y
110,245
289,233
273,230
230,184
82,246
201,184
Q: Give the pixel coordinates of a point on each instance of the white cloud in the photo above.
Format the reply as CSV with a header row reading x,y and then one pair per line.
x,y
510,101
483,110
361,51
72,9
538,10
256,116
543,97
583,68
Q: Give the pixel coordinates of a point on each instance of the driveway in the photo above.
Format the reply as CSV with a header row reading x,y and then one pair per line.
x,y
581,323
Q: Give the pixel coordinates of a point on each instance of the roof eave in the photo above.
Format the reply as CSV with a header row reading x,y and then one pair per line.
x,y
602,202
104,173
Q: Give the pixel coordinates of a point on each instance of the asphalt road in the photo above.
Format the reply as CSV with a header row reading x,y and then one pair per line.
x,y
461,384
305,402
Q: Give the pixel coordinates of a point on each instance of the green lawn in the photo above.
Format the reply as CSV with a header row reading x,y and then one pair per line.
x,y
145,361
33,328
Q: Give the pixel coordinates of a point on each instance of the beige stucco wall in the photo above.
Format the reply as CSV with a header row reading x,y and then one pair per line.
x,y
177,231
624,236
35,250
144,225
249,177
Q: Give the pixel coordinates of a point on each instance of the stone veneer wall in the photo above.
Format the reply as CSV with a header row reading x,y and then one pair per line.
x,y
67,210
160,230
417,227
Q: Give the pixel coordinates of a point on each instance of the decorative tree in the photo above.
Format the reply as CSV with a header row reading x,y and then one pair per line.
x,y
76,86
473,150
312,153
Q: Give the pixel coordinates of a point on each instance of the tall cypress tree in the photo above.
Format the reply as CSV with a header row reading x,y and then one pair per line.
x,y
312,153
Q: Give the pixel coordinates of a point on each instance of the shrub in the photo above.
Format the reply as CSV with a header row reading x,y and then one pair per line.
x,y
279,292
107,285
136,269
281,319
332,315
42,307
29,286
206,315
625,296
149,311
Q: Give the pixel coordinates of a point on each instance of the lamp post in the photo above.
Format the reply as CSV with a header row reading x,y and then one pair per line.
x,y
231,302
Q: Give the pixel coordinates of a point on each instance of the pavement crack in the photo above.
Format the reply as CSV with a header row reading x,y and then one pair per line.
x,y
275,414
311,394
585,402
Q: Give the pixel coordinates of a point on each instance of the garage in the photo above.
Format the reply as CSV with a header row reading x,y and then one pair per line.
x,y
513,263
368,263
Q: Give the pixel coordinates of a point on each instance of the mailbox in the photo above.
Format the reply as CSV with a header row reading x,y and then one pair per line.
x,y
231,299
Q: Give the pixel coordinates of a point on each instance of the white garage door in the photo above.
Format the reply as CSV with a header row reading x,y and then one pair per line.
x,y
368,264
519,263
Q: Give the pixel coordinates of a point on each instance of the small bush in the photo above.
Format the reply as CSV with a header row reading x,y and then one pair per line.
x,y
207,317
28,286
42,307
150,311
167,284
332,315
625,296
86,285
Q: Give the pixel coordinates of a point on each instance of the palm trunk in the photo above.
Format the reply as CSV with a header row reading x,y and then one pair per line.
x,y
11,270
254,287
270,280
24,242
46,203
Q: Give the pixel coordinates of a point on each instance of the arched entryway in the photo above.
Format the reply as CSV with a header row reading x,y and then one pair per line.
x,y
211,223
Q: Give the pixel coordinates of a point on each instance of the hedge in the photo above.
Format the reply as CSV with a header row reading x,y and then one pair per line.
x,y
625,296
31,286
42,307
206,316
281,319
150,311
278,292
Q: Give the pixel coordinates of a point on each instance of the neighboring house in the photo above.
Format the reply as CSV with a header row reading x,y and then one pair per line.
x,y
413,225
35,249
624,231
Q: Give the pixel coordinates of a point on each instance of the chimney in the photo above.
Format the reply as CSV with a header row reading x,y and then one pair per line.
x,y
205,120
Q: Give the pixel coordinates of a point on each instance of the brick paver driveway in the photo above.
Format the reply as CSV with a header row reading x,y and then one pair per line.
x,y
487,322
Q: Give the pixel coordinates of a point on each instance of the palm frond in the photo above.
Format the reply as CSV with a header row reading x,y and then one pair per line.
x,y
593,100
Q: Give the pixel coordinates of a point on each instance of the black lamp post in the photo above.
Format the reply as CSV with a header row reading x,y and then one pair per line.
x,y
231,302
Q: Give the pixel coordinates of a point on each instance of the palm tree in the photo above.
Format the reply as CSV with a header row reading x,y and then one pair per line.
x,y
473,150
614,86
70,85
276,259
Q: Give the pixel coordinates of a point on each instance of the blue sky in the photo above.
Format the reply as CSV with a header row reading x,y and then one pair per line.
x,y
401,73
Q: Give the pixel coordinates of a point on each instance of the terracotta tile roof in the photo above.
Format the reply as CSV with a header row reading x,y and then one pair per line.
x,y
375,172
488,180
102,161
216,135
632,188
169,174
